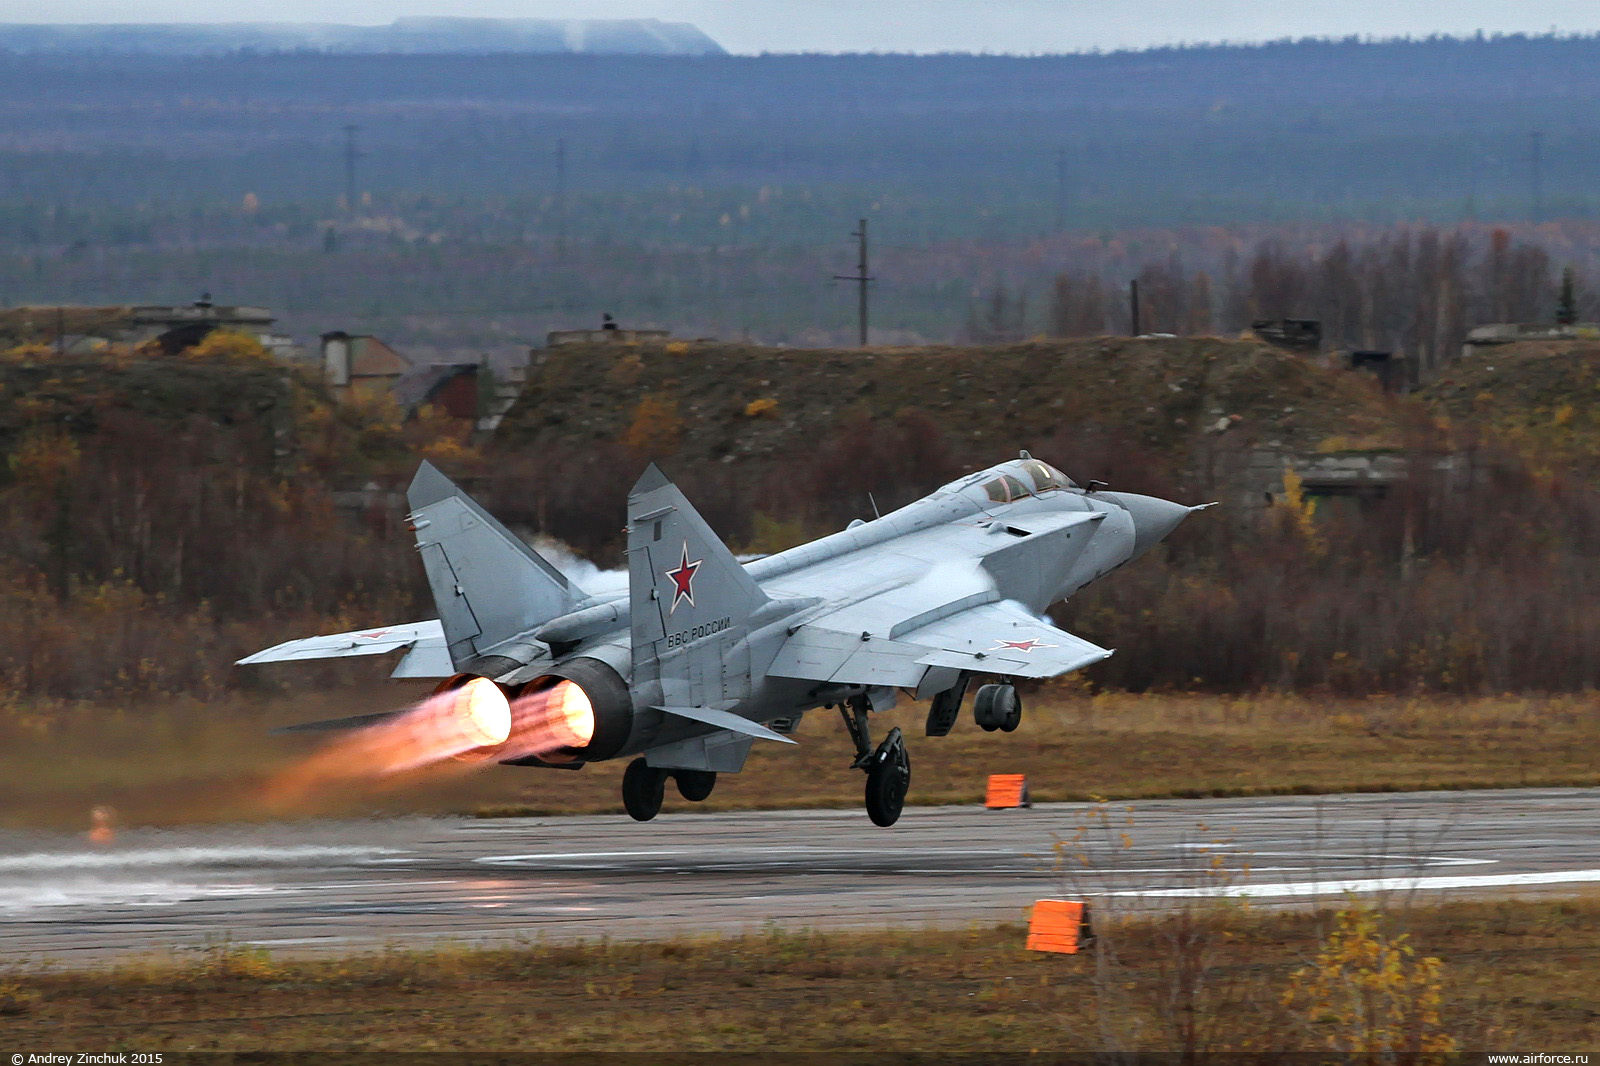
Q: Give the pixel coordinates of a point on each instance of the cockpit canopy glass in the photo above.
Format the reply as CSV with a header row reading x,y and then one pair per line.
x,y
1035,479
1046,478
1008,488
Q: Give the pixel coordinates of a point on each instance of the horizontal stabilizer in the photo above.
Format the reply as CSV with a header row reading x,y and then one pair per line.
x,y
376,641
727,720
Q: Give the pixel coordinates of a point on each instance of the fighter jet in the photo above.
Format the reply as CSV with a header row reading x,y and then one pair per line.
x,y
704,655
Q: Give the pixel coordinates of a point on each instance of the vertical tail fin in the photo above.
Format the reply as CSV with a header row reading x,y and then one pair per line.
x,y
488,585
683,582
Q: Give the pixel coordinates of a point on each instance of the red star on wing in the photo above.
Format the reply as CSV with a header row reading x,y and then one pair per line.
x,y
682,577
374,635
1021,645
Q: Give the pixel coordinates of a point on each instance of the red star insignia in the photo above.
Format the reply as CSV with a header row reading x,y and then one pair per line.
x,y
1021,645
682,577
374,635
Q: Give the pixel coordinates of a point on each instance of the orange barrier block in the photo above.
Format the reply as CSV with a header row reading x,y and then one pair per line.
x,y
1058,925
101,829
1007,790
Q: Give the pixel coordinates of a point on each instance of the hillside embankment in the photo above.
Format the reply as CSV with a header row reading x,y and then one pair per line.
x,y
725,403
1540,397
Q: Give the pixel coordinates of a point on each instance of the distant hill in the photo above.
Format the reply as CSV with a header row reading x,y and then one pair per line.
x,y
406,36
1162,394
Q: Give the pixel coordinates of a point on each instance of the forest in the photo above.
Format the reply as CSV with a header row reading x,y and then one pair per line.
x,y
481,201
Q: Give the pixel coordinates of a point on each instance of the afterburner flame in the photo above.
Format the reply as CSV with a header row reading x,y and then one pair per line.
x,y
573,715
483,712
545,718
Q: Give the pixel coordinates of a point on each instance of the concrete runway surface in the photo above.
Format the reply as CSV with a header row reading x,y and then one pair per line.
x,y
362,885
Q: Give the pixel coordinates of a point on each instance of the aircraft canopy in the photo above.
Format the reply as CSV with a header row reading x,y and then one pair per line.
x,y
1035,479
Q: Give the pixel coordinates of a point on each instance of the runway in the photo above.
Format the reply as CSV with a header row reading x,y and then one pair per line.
x,y
364,885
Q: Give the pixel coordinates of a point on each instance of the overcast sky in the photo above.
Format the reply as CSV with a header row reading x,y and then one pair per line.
x,y
1021,26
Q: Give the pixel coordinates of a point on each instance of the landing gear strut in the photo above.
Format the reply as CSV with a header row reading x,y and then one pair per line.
x,y
888,767
643,788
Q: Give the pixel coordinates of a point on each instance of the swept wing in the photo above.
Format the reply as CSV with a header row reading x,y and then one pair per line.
x,y
993,637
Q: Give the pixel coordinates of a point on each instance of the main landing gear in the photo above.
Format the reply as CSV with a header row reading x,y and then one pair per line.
x,y
997,707
645,786
888,767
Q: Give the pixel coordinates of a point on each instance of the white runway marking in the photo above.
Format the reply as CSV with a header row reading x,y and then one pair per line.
x,y
120,894
1323,856
736,854
186,856
1372,884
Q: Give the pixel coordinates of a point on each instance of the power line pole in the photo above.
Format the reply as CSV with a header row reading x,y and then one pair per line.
x,y
860,277
561,196
1133,308
1536,178
1061,189
351,154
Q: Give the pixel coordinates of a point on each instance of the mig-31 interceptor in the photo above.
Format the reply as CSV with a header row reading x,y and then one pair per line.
x,y
703,655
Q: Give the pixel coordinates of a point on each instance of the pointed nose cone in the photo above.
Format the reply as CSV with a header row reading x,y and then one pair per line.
x,y
1153,518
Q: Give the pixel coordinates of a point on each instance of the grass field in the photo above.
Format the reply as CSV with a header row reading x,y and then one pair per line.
x,y
1513,976
188,760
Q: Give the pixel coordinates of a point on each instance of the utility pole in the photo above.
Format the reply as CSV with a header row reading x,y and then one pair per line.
x,y
1133,308
860,277
1061,190
351,154
1535,175
561,197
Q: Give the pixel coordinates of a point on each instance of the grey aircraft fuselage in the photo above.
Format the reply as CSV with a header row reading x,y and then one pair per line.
x,y
704,654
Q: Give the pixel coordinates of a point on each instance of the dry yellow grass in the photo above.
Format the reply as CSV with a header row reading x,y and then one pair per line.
x,y
1512,976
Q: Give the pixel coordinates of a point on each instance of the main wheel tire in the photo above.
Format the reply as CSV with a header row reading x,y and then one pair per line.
x,y
984,711
1013,717
695,785
643,789
887,783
